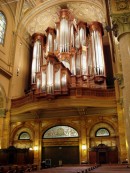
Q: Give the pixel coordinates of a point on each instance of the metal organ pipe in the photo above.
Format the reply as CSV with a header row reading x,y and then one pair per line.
x,y
97,48
73,69
84,63
36,60
43,81
64,35
49,43
57,79
82,36
69,51
50,78
72,35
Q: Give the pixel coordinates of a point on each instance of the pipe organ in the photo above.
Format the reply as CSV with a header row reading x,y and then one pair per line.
x,y
68,56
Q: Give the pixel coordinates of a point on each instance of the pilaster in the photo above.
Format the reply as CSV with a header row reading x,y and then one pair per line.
x,y
120,15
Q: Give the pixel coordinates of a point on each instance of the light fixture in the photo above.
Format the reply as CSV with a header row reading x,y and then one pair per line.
x,y
35,148
17,71
84,147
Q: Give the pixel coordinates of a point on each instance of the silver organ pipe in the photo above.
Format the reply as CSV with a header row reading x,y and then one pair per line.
x,y
36,60
90,61
82,36
50,74
38,83
78,64
94,54
98,57
57,38
66,64
43,81
73,69
83,63
58,79
49,43
63,80
76,47
55,45
44,60
77,42
72,35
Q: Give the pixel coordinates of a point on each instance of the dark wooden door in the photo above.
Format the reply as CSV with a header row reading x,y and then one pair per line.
x,y
92,157
102,157
66,154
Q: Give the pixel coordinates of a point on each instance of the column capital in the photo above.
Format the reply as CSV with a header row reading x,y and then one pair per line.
x,y
121,24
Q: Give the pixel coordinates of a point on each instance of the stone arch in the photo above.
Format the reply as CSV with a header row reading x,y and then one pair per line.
x,y
60,124
14,141
60,131
110,123
45,6
102,125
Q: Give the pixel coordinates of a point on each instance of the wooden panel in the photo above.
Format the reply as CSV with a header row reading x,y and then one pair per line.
x,y
92,157
68,154
113,156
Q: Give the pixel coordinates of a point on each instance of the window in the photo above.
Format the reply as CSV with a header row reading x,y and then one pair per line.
x,y
102,132
60,132
24,136
2,27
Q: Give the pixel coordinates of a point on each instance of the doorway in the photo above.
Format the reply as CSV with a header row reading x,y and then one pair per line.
x,y
64,154
102,157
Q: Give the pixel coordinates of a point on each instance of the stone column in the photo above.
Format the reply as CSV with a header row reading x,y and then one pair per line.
x,y
83,142
37,143
121,25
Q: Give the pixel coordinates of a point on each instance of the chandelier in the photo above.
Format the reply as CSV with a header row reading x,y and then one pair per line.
x,y
68,56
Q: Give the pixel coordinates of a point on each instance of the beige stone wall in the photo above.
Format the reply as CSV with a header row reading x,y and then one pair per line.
x,y
21,71
85,127
7,50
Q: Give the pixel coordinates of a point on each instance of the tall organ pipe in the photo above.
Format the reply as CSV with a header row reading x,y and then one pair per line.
x,y
50,74
97,48
36,60
38,40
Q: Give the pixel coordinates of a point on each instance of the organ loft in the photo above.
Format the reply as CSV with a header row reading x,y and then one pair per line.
x,y
67,57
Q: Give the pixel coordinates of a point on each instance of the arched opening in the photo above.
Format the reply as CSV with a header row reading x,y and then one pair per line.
x,y
103,144
57,141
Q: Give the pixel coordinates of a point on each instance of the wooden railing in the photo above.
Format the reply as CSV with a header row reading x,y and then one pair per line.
x,y
75,92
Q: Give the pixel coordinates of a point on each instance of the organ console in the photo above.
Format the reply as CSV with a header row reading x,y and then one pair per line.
x,y
68,56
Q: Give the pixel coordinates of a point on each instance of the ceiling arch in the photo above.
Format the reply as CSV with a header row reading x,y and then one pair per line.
x,y
45,14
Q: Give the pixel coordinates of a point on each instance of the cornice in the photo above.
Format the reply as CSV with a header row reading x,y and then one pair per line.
x,y
63,103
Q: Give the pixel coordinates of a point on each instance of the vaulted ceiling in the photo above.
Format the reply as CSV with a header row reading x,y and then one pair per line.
x,y
37,15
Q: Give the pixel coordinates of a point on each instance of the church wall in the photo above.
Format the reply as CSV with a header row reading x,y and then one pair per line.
x,y
20,80
85,127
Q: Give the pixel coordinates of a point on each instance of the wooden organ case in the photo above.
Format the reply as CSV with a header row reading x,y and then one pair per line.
x,y
69,56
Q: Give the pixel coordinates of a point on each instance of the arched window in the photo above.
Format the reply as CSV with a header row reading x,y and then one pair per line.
x,y
2,27
24,136
102,132
60,132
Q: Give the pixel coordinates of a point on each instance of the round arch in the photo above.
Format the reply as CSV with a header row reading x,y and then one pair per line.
x,y
100,125
22,128
60,131
47,5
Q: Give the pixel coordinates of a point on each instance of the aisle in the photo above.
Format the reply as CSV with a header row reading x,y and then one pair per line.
x,y
112,169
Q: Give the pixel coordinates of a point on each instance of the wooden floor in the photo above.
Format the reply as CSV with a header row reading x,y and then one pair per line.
x,y
110,168
87,169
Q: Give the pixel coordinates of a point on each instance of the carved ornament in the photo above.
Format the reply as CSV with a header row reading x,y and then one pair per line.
x,y
121,23
122,5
